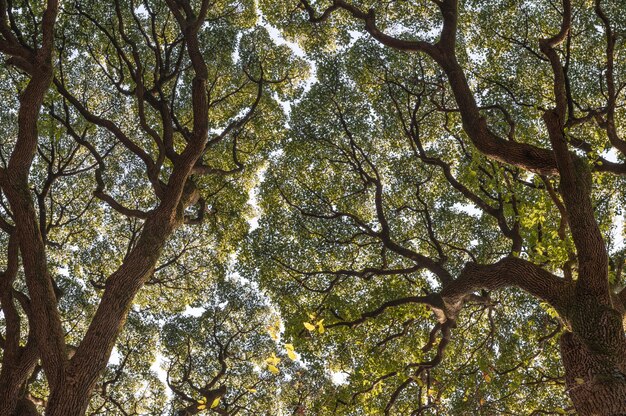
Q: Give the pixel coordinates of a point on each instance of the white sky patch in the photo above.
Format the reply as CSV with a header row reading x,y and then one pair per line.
x,y
191,311
611,155
432,280
141,11
285,105
617,229
114,359
278,38
354,36
339,378
236,56
254,201
469,209
157,366
73,55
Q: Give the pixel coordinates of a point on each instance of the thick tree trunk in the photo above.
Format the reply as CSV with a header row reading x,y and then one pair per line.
x,y
43,315
73,395
594,352
595,381
26,407
9,395
594,349
71,399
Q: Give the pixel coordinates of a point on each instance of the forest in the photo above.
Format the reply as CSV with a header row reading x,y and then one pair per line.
x,y
312,207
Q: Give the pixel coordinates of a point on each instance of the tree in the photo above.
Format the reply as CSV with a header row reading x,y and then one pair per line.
x,y
438,214
133,120
464,159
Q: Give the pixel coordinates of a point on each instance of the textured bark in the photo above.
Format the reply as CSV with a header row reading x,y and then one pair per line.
x,y
593,349
26,407
46,320
43,313
595,380
508,272
12,382
523,155
92,355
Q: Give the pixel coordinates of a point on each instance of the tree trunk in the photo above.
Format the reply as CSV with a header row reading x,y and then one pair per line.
x,y
12,380
594,357
26,407
9,396
73,394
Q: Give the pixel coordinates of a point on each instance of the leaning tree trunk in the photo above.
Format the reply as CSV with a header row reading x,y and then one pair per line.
x,y
71,397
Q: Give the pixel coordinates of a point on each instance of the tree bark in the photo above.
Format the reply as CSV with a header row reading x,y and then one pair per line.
x,y
47,337
594,376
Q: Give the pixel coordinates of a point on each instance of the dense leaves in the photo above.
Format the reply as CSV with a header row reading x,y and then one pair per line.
x,y
312,207
389,199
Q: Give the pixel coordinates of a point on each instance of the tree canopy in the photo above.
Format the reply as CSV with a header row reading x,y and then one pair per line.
x,y
312,207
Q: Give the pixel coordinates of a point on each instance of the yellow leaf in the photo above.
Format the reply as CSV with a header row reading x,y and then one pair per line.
x,y
202,400
273,360
274,330
487,377
482,402
215,403
273,369
312,316
320,326
580,380
309,326
431,392
251,390
201,406
290,351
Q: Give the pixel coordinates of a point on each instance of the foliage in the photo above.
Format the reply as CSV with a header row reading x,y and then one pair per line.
x,y
311,207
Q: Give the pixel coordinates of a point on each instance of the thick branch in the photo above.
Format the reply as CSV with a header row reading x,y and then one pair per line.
x,y
508,272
